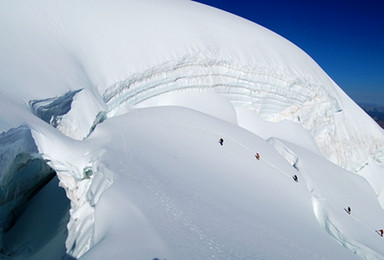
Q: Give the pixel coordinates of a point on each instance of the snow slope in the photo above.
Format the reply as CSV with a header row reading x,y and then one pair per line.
x,y
188,197
125,100
108,53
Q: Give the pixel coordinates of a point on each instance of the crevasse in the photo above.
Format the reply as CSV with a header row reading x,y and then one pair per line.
x,y
23,172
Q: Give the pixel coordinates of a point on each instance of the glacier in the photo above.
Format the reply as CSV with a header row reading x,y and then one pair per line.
x,y
23,173
124,101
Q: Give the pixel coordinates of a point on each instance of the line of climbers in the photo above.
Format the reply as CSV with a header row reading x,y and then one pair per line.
x,y
257,156
348,210
380,231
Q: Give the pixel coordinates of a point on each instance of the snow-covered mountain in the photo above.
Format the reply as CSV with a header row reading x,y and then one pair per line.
x,y
126,100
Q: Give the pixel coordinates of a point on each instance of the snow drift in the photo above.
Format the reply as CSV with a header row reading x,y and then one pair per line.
x,y
96,89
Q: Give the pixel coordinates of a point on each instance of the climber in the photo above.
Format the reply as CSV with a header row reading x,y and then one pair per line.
x,y
381,232
257,156
221,141
348,210
295,178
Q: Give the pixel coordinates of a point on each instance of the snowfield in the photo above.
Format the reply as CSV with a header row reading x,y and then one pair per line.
x,y
125,101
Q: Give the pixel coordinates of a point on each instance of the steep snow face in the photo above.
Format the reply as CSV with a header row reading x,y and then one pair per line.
x,y
272,94
73,113
67,66
125,52
177,192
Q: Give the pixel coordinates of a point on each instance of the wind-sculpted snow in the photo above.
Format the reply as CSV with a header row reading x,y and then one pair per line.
x,y
83,86
81,224
51,109
347,229
84,178
261,89
273,95
324,202
284,151
73,114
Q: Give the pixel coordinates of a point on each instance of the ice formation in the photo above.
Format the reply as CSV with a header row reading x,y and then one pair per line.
x,y
22,173
77,77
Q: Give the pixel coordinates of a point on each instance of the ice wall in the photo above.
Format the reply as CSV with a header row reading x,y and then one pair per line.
x,y
274,95
73,114
23,172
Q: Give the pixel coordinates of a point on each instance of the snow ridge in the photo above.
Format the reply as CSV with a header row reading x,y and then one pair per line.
x,y
330,227
323,208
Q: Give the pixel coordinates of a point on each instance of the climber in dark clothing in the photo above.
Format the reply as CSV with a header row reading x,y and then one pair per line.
x,y
295,178
348,210
221,141
381,232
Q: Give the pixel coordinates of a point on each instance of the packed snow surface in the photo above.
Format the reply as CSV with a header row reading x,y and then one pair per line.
x,y
126,102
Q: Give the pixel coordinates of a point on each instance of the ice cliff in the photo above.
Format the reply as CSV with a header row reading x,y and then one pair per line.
x,y
23,172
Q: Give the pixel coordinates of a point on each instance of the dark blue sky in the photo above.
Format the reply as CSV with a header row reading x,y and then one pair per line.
x,y
346,38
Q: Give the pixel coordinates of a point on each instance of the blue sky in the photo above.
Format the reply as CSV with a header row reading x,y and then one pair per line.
x,y
346,38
